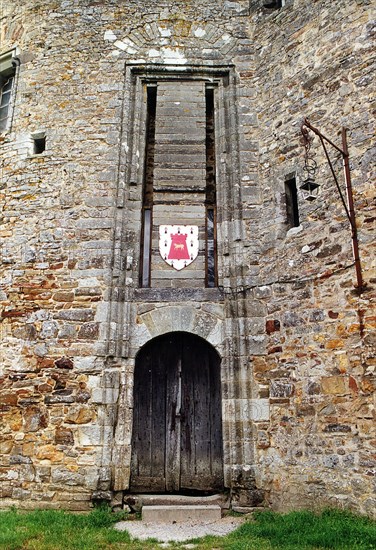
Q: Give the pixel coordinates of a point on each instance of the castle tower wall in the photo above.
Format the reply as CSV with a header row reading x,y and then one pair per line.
x,y
81,163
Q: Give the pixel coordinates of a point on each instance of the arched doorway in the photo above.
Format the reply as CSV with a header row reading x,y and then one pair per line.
x,y
177,420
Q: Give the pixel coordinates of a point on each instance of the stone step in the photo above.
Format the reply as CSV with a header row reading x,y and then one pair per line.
x,y
140,500
181,513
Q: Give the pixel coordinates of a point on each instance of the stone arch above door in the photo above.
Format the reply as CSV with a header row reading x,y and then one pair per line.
x,y
179,318
173,42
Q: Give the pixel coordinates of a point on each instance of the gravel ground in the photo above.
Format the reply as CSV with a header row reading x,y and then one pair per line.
x,y
178,532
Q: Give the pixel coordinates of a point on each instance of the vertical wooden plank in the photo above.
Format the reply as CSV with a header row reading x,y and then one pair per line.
x,y
203,418
172,353
141,444
216,436
143,418
187,446
201,444
148,439
158,411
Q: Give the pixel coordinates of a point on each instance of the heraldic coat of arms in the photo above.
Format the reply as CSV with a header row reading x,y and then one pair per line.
x,y
178,244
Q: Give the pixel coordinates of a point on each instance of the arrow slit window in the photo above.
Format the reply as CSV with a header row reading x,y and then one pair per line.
x,y
147,199
292,207
210,199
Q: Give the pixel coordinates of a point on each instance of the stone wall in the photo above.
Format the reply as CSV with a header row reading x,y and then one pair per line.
x,y
296,339
318,362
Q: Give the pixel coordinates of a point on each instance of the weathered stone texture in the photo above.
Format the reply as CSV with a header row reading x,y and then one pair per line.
x,y
296,341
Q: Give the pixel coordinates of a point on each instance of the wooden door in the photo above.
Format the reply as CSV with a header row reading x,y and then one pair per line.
x,y
177,421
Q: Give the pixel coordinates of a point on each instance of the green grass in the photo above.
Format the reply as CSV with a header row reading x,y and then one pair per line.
x,y
58,530
306,530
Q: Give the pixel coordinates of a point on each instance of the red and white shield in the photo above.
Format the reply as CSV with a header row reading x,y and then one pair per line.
x,y
178,244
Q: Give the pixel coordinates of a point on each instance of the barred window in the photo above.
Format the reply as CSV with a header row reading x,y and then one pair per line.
x,y
7,78
6,90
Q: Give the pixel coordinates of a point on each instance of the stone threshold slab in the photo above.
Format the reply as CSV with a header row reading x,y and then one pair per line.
x,y
181,513
220,499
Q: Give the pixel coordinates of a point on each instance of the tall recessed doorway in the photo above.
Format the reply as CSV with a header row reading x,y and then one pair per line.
x,y
177,420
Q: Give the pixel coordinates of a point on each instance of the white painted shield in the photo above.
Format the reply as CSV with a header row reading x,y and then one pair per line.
x,y
178,244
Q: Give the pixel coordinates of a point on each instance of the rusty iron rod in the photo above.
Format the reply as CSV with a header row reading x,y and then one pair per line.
x,y
336,180
350,209
350,200
316,131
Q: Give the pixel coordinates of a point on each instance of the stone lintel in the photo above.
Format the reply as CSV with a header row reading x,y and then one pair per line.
x,y
178,294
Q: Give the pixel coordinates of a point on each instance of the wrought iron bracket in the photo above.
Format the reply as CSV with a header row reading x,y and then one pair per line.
x,y
349,207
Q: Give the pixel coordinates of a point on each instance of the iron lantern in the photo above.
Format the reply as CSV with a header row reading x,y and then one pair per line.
x,y
310,189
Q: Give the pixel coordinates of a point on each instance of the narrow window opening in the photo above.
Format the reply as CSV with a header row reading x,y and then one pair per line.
x,y
292,209
274,4
146,247
211,277
8,66
5,99
39,145
147,200
210,198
